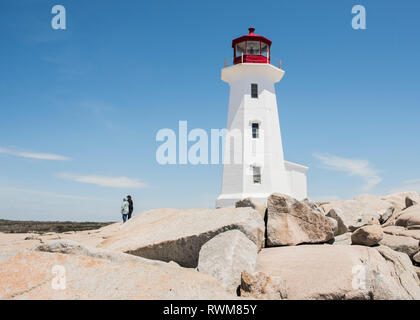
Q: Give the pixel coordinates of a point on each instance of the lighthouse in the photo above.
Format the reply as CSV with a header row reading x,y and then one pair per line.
x,y
253,164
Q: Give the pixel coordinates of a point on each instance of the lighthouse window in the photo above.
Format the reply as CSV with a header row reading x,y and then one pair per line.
x,y
255,130
253,47
257,175
254,90
240,49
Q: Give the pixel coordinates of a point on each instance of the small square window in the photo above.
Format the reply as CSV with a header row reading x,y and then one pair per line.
x,y
257,175
255,130
254,90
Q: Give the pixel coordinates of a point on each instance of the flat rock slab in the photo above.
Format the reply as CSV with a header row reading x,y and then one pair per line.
x,y
401,231
33,275
402,244
178,235
340,272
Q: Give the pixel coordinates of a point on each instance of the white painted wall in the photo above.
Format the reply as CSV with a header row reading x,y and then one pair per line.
x,y
297,180
266,151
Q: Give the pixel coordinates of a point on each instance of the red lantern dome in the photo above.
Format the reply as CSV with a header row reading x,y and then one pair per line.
x,y
251,48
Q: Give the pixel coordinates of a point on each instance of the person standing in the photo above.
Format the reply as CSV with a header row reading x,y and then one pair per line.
x,y
130,207
124,210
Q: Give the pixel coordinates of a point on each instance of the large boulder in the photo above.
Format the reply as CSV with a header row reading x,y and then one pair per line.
x,y
34,275
382,207
353,214
336,215
367,235
403,244
178,235
254,204
292,222
398,200
409,217
225,257
340,272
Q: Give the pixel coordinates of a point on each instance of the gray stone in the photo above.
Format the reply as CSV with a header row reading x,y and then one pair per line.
x,y
225,257
367,235
292,222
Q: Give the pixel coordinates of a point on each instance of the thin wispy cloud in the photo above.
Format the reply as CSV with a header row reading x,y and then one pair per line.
x,y
354,167
34,155
103,181
46,194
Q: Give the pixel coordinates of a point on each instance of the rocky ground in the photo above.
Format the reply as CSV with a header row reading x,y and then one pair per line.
x,y
365,248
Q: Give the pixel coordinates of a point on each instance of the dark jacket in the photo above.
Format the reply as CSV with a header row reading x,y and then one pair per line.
x,y
130,206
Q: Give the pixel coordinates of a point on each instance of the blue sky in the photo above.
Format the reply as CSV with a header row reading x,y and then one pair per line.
x,y
80,108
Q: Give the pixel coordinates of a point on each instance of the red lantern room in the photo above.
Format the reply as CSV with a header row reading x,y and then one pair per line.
x,y
251,48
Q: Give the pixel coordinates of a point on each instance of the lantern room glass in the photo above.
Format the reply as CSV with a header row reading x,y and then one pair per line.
x,y
264,49
240,48
253,48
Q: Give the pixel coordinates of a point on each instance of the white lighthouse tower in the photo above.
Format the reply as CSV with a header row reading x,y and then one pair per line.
x,y
254,164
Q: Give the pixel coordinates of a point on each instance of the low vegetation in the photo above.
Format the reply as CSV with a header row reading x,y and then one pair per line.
x,y
9,226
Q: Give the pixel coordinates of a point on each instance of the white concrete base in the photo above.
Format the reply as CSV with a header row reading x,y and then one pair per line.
x,y
296,176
